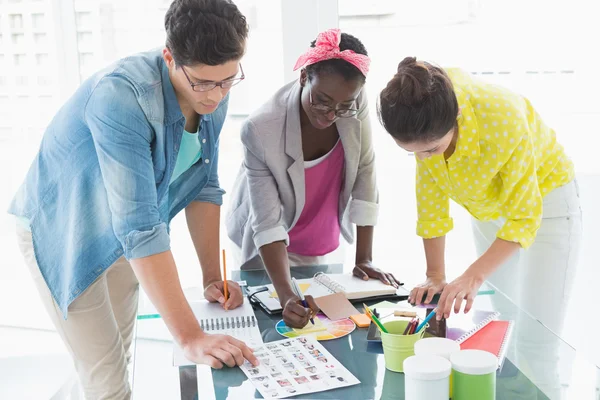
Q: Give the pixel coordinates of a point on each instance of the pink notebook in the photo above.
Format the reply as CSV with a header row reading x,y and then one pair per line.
x,y
493,338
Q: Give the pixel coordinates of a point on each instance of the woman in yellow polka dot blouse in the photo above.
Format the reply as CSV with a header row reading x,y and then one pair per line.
x,y
487,149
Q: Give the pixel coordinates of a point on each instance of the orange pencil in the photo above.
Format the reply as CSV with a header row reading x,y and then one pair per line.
x,y
225,291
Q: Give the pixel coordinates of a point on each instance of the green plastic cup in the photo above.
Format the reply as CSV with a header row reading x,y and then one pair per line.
x,y
474,375
396,346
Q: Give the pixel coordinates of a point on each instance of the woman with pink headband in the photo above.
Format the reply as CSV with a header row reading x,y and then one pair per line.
x,y
309,172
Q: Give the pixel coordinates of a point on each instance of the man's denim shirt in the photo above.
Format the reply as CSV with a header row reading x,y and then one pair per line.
x,y
99,185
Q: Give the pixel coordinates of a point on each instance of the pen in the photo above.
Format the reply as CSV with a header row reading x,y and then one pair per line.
x,y
426,320
225,291
301,295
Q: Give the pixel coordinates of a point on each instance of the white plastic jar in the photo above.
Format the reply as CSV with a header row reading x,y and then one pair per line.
x,y
427,377
436,346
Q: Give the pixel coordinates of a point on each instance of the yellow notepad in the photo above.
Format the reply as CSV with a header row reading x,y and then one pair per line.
x,y
310,328
303,287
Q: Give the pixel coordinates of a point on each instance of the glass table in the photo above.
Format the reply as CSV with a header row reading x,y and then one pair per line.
x,y
539,364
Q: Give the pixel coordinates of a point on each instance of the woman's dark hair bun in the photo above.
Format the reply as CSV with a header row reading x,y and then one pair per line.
x,y
419,102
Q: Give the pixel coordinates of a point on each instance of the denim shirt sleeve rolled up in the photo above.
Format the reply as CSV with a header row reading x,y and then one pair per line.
x,y
123,138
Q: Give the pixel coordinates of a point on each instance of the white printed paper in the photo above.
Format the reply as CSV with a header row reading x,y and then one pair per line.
x,y
296,366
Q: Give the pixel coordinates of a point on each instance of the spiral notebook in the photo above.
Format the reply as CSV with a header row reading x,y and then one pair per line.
x,y
460,327
240,323
493,337
321,284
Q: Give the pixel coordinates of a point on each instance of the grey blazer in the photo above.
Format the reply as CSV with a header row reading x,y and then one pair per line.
x,y
268,194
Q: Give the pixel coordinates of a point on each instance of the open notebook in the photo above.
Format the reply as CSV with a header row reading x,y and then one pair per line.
x,y
240,323
321,284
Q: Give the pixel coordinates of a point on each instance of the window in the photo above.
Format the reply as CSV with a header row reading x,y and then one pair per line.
x,y
5,134
86,60
86,65
38,21
16,22
20,60
44,81
84,40
40,40
41,60
18,39
84,20
21,81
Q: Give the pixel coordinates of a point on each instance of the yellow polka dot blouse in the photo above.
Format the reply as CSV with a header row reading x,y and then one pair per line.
x,y
506,160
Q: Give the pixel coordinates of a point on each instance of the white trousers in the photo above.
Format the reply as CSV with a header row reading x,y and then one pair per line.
x,y
539,279
99,327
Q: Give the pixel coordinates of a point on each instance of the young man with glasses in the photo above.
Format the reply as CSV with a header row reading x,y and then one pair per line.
x,y
133,146
309,172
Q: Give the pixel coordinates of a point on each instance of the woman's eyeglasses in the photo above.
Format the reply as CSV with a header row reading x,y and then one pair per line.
x,y
325,109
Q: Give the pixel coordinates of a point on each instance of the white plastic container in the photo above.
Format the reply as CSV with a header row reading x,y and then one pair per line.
x,y
436,346
427,377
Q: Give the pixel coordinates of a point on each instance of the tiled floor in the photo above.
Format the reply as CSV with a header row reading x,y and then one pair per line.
x,y
27,356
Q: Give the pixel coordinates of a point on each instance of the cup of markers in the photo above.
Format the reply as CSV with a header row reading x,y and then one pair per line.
x,y
399,343
398,339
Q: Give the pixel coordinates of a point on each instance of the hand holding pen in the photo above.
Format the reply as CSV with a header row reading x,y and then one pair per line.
x,y
302,298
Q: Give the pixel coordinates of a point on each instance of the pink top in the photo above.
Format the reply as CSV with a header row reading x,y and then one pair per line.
x,y
317,231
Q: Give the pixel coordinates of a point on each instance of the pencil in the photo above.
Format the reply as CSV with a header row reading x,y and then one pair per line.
x,y
377,324
225,291
408,327
413,330
375,319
